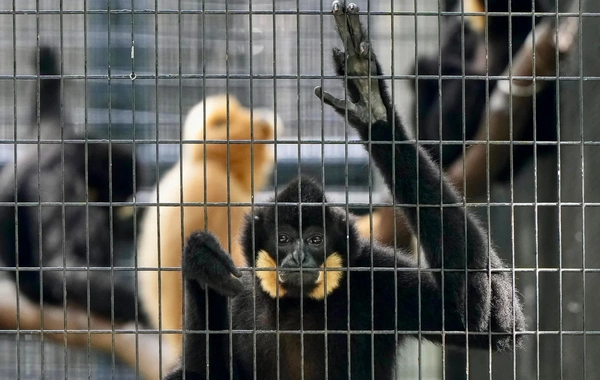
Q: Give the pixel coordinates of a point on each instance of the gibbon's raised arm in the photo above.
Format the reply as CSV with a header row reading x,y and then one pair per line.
x,y
449,238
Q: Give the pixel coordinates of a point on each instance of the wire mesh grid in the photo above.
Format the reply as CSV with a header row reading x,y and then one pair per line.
x,y
131,72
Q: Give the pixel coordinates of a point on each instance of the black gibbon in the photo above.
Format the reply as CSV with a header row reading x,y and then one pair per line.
x,y
228,178
505,36
311,271
42,231
460,117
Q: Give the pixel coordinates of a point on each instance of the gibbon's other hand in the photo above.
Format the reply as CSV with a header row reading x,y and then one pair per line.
x,y
205,261
364,103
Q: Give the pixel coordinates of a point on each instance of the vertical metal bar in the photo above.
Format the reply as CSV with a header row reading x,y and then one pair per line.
x,y
537,253
512,180
62,164
395,223
559,204
300,228
132,76
181,174
228,156
205,181
488,178
370,196
110,213
347,209
40,251
323,142
15,148
418,211
275,180
512,163
441,168
252,189
464,205
86,176
158,268
582,148
535,192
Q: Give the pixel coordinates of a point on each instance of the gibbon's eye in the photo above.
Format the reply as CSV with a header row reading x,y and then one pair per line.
x,y
219,122
315,239
284,239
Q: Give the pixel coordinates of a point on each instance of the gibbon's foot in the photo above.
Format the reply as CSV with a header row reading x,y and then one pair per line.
x,y
205,261
358,62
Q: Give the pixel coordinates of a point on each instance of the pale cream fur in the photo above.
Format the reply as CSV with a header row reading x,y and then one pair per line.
x,y
141,351
200,161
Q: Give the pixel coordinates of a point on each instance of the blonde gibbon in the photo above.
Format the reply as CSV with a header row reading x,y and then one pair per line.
x,y
206,173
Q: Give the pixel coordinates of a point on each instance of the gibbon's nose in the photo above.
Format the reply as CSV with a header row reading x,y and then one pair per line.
x,y
290,273
299,258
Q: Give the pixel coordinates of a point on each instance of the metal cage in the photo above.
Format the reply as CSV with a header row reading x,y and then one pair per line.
x,y
131,70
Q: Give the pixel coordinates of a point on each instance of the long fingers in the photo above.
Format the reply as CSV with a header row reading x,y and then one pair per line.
x,y
348,26
338,104
357,33
341,26
228,263
206,262
223,283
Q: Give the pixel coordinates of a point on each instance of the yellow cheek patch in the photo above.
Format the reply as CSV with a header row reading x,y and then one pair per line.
x,y
268,278
270,284
333,277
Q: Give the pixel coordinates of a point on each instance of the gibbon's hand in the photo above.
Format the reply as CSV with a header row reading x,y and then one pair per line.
x,y
205,261
358,63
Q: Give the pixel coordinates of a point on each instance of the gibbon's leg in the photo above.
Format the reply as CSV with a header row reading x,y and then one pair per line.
x,y
450,237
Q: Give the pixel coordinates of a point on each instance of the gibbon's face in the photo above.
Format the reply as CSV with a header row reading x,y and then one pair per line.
x,y
227,120
303,261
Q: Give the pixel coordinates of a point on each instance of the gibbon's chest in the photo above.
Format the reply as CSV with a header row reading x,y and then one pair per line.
x,y
331,339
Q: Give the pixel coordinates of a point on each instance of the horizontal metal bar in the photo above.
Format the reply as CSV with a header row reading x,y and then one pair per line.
x,y
141,75
276,12
307,332
352,269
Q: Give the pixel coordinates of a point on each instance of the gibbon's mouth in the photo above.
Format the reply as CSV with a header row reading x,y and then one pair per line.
x,y
306,278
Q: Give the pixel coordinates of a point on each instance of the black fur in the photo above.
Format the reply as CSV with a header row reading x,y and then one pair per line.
x,y
382,300
455,127
57,236
49,88
311,200
303,192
